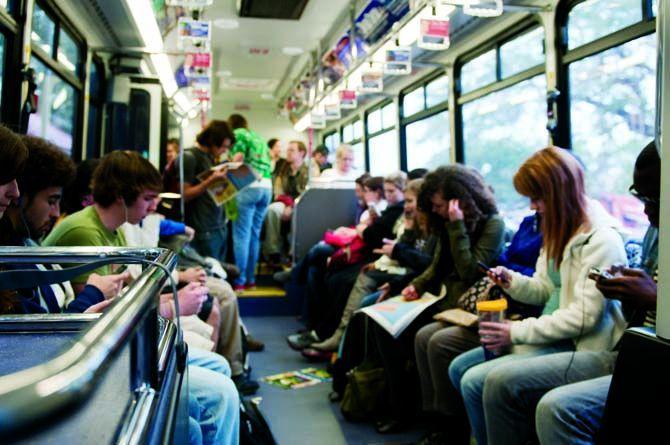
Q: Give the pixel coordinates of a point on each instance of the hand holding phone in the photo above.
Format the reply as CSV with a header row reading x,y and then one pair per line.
x,y
497,274
596,274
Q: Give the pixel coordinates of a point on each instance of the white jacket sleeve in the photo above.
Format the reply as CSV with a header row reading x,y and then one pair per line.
x,y
532,290
581,304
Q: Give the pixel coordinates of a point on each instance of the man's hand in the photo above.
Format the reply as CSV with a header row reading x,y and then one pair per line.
x,y
632,286
410,293
217,174
99,307
109,285
189,232
495,336
386,291
191,297
193,274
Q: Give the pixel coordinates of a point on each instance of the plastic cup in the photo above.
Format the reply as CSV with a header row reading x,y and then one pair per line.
x,y
494,311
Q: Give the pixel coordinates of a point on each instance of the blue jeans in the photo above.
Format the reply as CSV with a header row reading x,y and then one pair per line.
x,y
252,204
212,243
572,414
468,373
213,399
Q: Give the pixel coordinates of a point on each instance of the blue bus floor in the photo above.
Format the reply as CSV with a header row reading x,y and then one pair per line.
x,y
304,416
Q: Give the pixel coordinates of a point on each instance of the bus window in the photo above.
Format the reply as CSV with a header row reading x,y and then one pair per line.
x,y
2,60
44,30
612,103
593,19
525,51
413,102
478,72
384,153
500,130
437,91
68,52
428,141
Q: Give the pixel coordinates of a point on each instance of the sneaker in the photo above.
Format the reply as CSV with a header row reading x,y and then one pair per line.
x,y
302,341
245,386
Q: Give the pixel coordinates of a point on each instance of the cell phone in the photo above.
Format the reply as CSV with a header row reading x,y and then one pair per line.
x,y
485,268
596,274
122,268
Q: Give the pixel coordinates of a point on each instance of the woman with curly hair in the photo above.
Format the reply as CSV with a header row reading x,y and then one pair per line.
x,y
462,210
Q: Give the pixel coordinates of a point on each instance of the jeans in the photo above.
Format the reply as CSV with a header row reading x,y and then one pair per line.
x,y
252,204
469,371
213,399
211,243
273,242
312,270
572,414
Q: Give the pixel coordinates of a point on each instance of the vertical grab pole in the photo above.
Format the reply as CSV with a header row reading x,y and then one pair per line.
x,y
663,129
182,202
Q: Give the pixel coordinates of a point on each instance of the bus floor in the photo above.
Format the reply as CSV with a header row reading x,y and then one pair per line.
x,y
304,416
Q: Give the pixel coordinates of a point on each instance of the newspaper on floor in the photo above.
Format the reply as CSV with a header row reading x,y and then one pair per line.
x,y
395,314
298,379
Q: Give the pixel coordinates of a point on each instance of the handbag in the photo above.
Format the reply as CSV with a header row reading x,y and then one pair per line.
x,y
477,292
352,253
364,393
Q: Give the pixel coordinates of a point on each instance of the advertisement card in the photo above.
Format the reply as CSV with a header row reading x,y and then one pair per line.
x,y
198,60
332,112
318,121
348,99
434,34
372,82
398,61
192,31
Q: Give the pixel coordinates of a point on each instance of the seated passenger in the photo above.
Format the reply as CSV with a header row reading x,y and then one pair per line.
x,y
572,414
578,234
46,171
319,161
375,203
463,212
276,159
125,189
288,183
438,343
344,169
402,259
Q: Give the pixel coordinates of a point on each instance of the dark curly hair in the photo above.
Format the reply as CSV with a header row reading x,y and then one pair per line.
x,y
47,166
124,174
13,155
214,133
456,181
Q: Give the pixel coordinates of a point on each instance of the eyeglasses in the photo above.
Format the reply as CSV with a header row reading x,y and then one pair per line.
x,y
644,199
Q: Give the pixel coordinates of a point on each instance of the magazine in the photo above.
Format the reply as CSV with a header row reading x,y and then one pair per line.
x,y
395,314
298,379
239,176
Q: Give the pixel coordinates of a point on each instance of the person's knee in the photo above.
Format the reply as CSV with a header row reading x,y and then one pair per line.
x,y
472,383
501,384
422,339
552,408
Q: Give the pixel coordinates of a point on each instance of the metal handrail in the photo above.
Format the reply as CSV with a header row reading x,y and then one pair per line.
x,y
45,390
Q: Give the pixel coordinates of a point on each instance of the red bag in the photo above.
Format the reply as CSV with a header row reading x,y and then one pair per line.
x,y
352,253
287,200
338,240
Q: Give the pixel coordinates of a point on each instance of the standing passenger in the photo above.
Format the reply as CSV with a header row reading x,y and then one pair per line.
x,y
252,201
202,213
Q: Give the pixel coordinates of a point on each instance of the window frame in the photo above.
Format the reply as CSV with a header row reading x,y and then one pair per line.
x,y
97,101
12,30
74,79
368,135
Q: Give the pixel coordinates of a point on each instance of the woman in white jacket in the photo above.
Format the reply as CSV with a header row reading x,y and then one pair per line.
x,y
578,235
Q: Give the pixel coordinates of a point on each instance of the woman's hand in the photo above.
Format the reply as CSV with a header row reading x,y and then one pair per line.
x,y
455,212
385,292
495,336
193,274
191,297
387,248
410,293
109,285
500,276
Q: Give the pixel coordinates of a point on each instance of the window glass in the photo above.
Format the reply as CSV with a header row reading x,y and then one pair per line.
x,y
428,142
413,102
2,61
359,156
594,19
609,130
3,3
43,30
500,130
384,154
68,52
389,115
525,51
348,133
437,91
358,129
375,121
332,141
654,7
478,72
56,108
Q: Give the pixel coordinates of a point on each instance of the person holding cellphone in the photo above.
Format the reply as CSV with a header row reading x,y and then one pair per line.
x,y
578,234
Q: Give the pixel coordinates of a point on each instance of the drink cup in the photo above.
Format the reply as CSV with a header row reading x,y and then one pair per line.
x,y
493,311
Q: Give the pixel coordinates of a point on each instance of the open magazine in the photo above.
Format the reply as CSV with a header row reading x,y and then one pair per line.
x,y
395,314
299,379
239,176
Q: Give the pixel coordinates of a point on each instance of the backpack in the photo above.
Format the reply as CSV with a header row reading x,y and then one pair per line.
x,y
254,430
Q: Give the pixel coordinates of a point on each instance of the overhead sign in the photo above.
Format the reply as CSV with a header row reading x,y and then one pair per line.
x,y
318,121
372,82
332,111
398,61
189,3
194,35
434,34
348,100
198,60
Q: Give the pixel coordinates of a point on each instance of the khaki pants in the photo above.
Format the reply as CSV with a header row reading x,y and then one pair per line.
x,y
230,333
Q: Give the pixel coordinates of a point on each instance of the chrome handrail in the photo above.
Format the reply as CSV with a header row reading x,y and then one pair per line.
x,y
136,425
51,255
46,389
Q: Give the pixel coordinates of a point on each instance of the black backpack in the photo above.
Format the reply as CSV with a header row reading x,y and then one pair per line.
x,y
254,430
